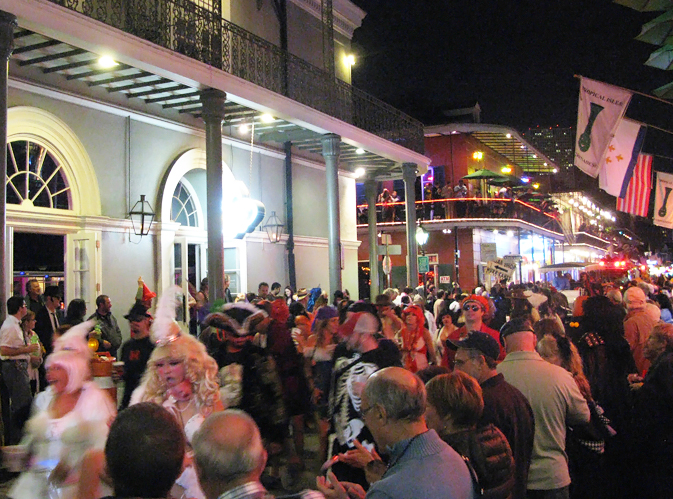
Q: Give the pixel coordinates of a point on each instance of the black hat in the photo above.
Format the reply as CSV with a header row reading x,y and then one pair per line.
x,y
476,340
516,325
137,313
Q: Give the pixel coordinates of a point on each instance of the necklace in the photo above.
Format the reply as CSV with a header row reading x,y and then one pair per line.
x,y
177,404
401,454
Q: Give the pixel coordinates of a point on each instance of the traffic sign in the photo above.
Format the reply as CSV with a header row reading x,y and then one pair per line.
x,y
423,264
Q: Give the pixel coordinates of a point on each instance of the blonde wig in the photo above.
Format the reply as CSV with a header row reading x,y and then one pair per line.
x,y
200,371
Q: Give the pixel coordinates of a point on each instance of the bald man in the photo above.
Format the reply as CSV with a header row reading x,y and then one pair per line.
x,y
420,464
229,458
638,324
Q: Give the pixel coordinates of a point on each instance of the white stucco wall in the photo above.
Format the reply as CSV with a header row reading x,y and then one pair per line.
x,y
124,259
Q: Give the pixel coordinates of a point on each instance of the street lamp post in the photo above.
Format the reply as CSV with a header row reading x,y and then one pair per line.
x,y
422,238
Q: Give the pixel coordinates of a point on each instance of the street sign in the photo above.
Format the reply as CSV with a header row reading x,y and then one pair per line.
x,y
387,265
488,252
423,264
393,249
444,279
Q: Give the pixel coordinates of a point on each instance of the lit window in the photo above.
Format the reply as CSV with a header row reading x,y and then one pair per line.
x,y
35,177
183,209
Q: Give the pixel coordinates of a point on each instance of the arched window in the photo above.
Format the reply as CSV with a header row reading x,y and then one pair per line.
x,y
35,177
183,209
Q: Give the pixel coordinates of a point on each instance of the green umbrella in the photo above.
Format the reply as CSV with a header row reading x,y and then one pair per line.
x,y
658,30
509,180
661,58
665,91
484,174
646,5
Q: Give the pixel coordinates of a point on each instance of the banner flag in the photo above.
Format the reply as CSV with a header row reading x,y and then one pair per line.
x,y
601,106
637,198
663,208
620,159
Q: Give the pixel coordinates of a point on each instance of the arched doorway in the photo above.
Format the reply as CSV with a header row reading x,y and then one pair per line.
x,y
51,184
183,236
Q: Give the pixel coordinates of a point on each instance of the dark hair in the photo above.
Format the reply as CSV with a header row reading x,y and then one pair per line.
x,y
14,304
100,299
443,313
262,284
603,317
275,285
431,372
663,301
144,451
52,292
75,312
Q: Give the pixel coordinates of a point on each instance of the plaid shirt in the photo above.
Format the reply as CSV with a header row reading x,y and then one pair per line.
x,y
255,490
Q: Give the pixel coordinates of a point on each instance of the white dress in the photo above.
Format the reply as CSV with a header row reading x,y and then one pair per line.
x,y
85,427
188,479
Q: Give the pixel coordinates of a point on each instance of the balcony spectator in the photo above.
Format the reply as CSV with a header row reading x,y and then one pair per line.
x,y
387,210
460,192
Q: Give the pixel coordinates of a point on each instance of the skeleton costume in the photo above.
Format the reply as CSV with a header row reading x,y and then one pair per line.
x,y
351,371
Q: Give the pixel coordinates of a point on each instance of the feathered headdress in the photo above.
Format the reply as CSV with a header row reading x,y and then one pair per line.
x,y
75,339
239,318
165,329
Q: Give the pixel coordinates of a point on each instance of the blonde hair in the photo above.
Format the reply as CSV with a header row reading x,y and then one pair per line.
x,y
200,371
560,346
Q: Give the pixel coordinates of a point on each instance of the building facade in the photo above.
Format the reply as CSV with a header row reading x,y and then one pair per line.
x,y
198,109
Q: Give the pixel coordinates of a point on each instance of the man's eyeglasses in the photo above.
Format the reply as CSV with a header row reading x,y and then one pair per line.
x,y
363,412
474,308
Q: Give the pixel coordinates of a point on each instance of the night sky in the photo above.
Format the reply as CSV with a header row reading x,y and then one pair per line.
x,y
516,58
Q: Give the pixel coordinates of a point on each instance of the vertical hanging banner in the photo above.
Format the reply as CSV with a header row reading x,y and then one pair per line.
x,y
637,198
601,107
621,157
663,204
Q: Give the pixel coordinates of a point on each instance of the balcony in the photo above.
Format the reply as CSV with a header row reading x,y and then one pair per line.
x,y
471,212
198,32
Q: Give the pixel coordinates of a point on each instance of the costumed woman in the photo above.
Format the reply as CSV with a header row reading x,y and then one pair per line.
x,y
69,418
417,345
181,377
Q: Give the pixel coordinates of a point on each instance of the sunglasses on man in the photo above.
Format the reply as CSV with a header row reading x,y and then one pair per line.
x,y
474,308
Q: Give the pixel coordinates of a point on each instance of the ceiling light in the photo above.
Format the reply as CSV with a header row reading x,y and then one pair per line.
x,y
359,150
107,62
506,169
359,172
267,118
509,135
510,233
243,128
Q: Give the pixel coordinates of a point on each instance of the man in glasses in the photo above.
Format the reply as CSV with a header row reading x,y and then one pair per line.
x,y
473,308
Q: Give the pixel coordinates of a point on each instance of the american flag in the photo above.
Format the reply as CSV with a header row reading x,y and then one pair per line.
x,y
637,198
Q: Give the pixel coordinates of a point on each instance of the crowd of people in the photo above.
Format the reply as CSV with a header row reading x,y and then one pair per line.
x,y
464,200
505,393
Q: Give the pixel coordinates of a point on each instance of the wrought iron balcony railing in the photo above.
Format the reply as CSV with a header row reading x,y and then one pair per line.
x,y
195,28
455,209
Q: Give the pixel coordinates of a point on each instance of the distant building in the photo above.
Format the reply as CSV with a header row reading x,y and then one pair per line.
x,y
557,144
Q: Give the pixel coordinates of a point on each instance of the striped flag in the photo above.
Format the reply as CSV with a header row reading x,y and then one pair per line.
x,y
637,198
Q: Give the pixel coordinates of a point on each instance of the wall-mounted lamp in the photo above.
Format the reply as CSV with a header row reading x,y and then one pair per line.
x,y
273,228
142,216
